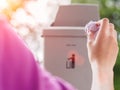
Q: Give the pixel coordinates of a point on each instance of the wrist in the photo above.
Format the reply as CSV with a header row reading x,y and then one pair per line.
x,y
102,78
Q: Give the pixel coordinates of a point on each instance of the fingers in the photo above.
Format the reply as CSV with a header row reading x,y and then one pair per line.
x,y
113,32
104,26
112,29
107,30
90,37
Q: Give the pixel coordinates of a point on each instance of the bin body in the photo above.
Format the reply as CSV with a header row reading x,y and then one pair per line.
x,y
65,49
65,55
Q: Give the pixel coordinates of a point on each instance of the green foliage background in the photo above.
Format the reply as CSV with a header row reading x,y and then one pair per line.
x,y
111,10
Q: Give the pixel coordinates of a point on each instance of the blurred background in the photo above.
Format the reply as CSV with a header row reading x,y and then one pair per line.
x,y
29,17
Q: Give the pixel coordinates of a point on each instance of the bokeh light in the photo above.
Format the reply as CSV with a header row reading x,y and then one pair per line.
x,y
3,4
29,17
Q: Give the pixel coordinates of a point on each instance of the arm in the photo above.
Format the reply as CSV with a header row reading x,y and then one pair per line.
x,y
102,52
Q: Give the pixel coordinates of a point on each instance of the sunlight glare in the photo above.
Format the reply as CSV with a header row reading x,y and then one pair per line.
x,y
3,4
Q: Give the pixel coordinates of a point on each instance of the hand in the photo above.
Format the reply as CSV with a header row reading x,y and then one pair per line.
x,y
103,49
102,53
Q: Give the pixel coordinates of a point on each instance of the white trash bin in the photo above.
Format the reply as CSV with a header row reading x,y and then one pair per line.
x,y
61,46
65,50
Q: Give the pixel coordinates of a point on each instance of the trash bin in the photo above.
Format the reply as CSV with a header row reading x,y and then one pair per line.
x,y
65,50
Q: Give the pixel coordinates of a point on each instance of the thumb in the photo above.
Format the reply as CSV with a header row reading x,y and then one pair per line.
x,y
90,37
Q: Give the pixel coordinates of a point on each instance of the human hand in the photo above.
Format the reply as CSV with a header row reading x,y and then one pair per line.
x,y
103,48
102,52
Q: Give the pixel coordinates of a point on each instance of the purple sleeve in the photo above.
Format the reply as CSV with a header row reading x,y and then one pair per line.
x,y
18,69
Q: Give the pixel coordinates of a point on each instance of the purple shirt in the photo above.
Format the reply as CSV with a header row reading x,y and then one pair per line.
x,y
18,69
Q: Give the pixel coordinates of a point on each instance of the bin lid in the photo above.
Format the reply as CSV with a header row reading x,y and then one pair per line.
x,y
76,14
64,32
